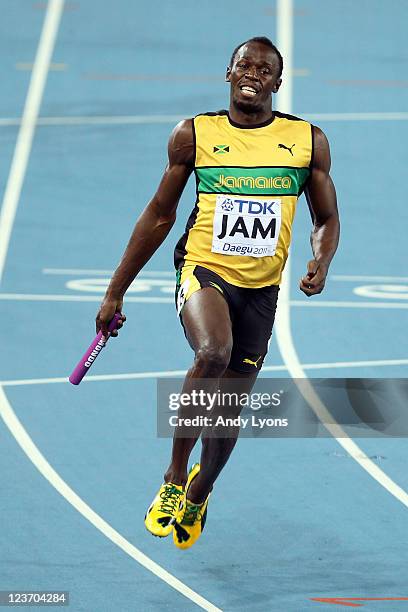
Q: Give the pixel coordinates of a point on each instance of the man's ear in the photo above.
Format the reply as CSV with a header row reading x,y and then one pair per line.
x,y
277,85
228,74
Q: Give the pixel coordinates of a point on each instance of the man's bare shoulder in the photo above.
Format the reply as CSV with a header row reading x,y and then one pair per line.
x,y
321,149
181,143
319,137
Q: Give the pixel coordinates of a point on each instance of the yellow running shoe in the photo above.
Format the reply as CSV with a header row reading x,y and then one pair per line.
x,y
191,517
161,515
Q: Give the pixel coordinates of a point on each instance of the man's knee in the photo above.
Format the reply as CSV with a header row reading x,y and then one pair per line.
x,y
212,360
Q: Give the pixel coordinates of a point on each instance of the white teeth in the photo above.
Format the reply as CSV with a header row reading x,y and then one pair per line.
x,y
248,90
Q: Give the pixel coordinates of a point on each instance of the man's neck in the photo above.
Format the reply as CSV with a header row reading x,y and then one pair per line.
x,y
243,118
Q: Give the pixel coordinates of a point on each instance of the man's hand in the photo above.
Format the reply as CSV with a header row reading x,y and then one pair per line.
x,y
314,281
106,313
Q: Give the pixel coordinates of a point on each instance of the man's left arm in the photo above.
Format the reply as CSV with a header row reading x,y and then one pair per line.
x,y
321,198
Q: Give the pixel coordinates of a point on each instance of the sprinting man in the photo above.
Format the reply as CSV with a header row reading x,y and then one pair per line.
x,y
251,164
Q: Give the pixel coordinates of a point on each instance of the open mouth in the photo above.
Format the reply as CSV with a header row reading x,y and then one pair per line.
x,y
248,91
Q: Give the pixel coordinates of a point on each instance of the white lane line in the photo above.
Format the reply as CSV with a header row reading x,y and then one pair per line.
x,y
97,378
79,271
102,120
283,330
176,373
44,297
27,127
386,116
171,119
50,297
284,34
390,292
10,203
76,272
340,304
380,279
38,459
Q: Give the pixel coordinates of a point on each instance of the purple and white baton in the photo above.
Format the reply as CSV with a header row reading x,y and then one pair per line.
x,y
91,353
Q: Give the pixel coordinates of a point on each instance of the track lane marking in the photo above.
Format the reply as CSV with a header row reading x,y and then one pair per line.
x,y
283,330
73,120
7,216
79,271
37,458
175,373
357,278
28,123
66,297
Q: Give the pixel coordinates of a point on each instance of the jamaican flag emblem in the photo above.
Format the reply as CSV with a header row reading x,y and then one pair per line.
x,y
221,149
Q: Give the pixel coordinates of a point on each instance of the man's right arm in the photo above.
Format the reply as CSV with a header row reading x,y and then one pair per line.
x,y
154,223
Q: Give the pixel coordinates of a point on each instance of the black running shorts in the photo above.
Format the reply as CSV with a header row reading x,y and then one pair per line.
x,y
252,313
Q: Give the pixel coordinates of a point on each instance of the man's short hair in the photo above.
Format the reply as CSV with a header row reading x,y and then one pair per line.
x,y
263,40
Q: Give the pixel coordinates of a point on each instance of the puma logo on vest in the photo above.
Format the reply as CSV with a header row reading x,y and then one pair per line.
x,y
282,146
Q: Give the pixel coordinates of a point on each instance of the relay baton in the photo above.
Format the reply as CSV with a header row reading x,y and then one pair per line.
x,y
91,353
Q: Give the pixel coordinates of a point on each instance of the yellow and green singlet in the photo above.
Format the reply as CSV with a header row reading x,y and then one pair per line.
x,y
248,180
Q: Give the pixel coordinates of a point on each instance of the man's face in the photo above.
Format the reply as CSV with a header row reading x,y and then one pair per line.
x,y
253,77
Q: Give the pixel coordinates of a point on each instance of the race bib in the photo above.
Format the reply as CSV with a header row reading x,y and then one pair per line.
x,y
246,226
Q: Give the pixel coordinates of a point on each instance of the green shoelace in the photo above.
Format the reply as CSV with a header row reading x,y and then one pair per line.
x,y
192,514
170,499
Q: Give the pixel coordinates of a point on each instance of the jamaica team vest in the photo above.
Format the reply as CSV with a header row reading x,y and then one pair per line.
x,y
248,180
